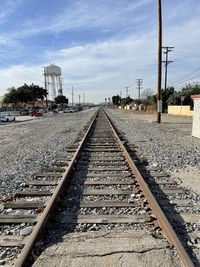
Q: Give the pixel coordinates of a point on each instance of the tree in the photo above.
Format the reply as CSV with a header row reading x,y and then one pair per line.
x,y
126,101
116,100
25,94
37,92
187,91
147,93
11,97
165,95
61,99
185,94
174,99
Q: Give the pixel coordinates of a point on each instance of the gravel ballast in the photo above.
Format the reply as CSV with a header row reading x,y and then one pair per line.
x,y
168,145
28,146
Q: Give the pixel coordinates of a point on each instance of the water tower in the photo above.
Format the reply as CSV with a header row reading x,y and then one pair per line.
x,y
52,81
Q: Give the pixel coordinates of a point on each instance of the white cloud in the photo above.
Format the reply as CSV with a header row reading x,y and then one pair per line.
x,y
103,68
19,74
109,65
82,14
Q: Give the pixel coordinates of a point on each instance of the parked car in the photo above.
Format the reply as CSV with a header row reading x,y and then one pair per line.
x,y
69,110
36,113
24,112
7,117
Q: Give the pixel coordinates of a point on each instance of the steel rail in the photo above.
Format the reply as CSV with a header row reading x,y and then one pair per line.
x,y
50,204
157,211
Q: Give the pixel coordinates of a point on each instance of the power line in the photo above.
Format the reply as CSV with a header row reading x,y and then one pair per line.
x,y
186,54
185,35
187,80
178,81
189,34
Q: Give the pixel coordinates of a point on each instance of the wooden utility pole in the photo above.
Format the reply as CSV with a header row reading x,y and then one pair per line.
x,y
159,103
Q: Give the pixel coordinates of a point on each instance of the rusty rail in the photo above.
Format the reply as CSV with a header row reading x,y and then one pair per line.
x,y
163,222
49,207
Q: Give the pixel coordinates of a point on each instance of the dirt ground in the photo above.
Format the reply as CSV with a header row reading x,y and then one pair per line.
x,y
111,248
189,178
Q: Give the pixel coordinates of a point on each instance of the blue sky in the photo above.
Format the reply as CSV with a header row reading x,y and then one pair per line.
x,y
101,45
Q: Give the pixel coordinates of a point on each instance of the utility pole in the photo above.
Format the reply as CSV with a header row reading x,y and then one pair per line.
x,y
159,103
83,99
139,86
126,91
72,95
166,61
79,100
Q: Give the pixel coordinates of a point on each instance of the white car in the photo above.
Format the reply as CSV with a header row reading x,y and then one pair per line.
x,y
69,110
7,117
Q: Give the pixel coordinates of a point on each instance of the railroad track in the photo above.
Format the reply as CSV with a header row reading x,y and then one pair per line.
x,y
99,185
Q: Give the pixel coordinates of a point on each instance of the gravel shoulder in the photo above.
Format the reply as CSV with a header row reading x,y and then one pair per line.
x,y
168,145
27,146
189,178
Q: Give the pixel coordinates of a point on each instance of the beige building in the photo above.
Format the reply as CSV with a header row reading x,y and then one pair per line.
x,y
180,110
